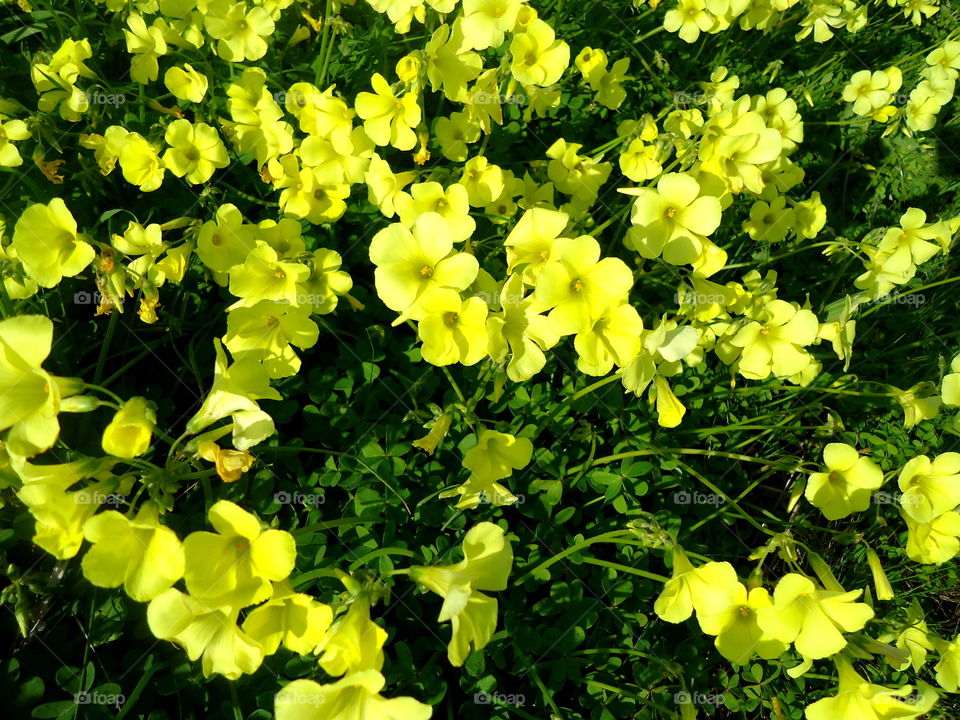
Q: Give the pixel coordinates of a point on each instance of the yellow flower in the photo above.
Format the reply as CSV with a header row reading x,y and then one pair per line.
x,y
48,245
140,554
389,119
263,276
486,21
452,204
674,219
452,330
186,83
234,566
295,619
847,485
140,163
486,564
408,264
146,44
738,636
128,434
230,464
195,151
579,286
239,28
520,332
265,332
354,643
811,618
930,487
355,696
235,389
207,631
225,241
612,339
10,131
690,18
538,58
326,283
484,182
775,344
708,589
858,699
935,542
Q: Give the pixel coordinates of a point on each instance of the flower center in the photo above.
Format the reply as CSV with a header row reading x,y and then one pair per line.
x,y
671,212
426,272
530,59
451,318
279,274
191,154
577,285
215,240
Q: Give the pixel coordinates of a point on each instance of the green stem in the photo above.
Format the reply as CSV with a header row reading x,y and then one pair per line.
x,y
105,348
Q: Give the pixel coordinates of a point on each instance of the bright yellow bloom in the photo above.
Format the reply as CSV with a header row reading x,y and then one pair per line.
x,y
452,204
674,219
145,44
930,487
354,643
235,389
389,119
48,244
775,344
520,332
452,330
11,131
226,240
195,151
486,564
31,396
579,286
858,699
485,22
708,589
265,332
140,554
234,566
294,619
326,283
207,631
847,485
129,432
186,83
612,339
538,58
263,276
140,163
935,542
355,696
738,636
408,264
811,618
239,28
